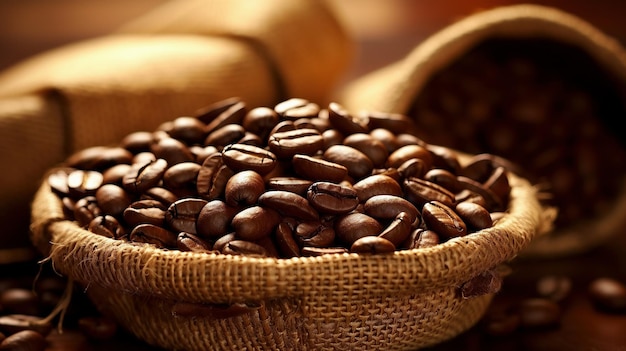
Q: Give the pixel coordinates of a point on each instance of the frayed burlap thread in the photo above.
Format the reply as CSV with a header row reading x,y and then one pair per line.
x,y
401,301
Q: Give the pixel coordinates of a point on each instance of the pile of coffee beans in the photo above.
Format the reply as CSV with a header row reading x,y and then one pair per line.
x,y
546,106
293,180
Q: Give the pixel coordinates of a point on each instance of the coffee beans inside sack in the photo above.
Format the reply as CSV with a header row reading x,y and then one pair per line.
x,y
544,105
296,179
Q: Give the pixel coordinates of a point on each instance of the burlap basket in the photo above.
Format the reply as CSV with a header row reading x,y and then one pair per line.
x,y
401,301
180,57
396,87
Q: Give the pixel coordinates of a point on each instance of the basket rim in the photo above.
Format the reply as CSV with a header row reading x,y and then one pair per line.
x,y
144,269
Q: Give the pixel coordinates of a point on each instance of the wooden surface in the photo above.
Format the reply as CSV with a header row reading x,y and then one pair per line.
x,y
385,32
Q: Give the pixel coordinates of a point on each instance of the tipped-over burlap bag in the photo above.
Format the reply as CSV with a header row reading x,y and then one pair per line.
x,y
401,87
172,61
177,300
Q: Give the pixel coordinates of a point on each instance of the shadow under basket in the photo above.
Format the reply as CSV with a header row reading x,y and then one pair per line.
x,y
194,301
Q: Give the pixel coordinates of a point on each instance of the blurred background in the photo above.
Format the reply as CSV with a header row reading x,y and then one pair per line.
x,y
385,30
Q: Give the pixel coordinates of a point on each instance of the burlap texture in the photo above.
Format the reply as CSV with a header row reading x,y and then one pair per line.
x,y
170,62
395,87
401,301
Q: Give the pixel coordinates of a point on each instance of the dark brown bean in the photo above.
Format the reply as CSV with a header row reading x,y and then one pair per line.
x,y
214,219
193,243
189,130
173,151
372,245
292,184
144,176
260,121
317,169
243,247
443,220
244,188
475,216
154,235
256,222
332,198
15,323
608,294
374,149
398,230
145,212
420,192
112,199
354,226
357,163
221,113
107,226
288,204
286,144
82,183
183,214
26,340
314,233
285,241
241,157
386,207
345,122
378,184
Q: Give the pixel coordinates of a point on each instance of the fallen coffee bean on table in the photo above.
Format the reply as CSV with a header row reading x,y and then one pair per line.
x,y
293,180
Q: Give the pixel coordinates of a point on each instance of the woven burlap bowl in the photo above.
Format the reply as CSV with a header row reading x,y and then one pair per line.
x,y
401,301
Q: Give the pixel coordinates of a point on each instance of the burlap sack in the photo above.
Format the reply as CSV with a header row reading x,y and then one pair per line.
x,y
396,87
401,301
170,62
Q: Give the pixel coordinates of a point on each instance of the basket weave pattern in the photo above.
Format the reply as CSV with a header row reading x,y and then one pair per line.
x,y
405,300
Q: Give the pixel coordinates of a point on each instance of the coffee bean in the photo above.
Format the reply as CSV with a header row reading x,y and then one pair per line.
x,y
332,198
107,226
212,177
378,184
374,149
144,176
145,212
220,113
422,238
298,141
539,313
399,229
183,214
345,122
214,219
285,241
82,183
372,245
356,162
112,199
353,226
256,222
260,121
26,340
420,192
85,210
443,220
241,157
314,233
291,184
225,135
296,108
389,206
15,323
244,188
243,247
318,169
19,301
154,235
288,204
554,287
608,294
171,150
193,243
475,216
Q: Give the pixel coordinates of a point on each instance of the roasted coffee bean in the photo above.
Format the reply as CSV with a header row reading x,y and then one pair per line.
x,y
345,122
357,163
212,177
374,149
260,121
145,212
420,192
443,178
399,229
82,183
298,141
241,157
144,176
608,295
470,196
386,137
492,202
137,142
554,287
107,226
539,313
26,340
378,184
182,214
85,210
225,135
243,247
113,199
57,179
189,130
295,185
201,153
287,245
154,235
412,168
421,238
15,323
288,204
19,301
244,188
317,169
407,152
444,158
99,158
220,113
487,282
353,226
181,178
387,207
143,158
443,220
221,242
314,233
173,151
115,174
254,223
498,183
475,216
372,245
159,194
214,219
193,243
296,108
98,328
332,198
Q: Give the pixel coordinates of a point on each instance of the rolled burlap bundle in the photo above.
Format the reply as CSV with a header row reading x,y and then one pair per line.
x,y
170,62
536,85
